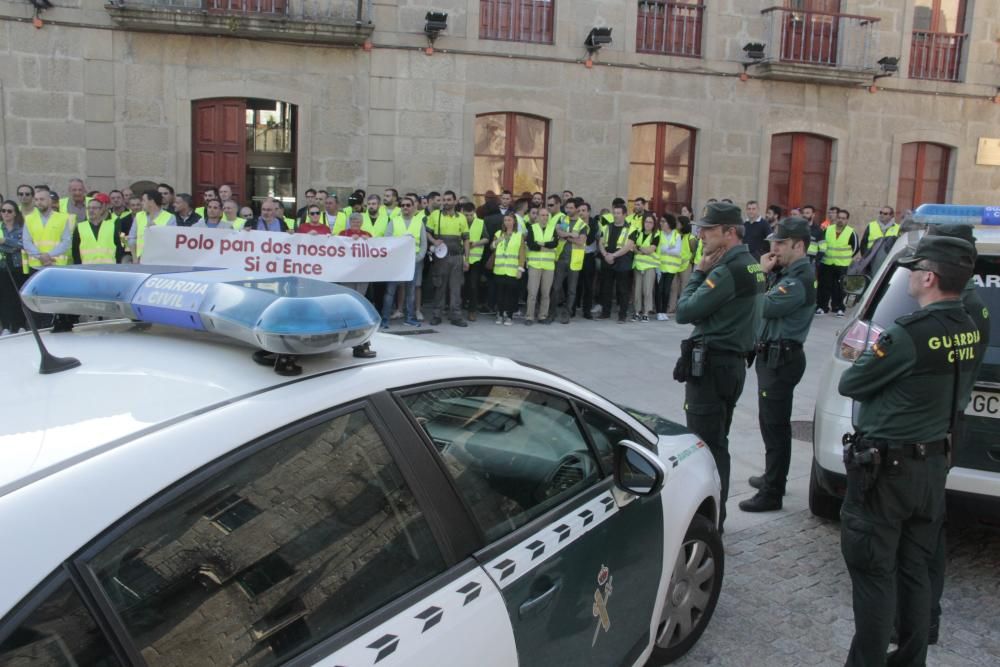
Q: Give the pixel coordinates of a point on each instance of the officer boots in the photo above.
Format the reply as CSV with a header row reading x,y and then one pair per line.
x,y
761,502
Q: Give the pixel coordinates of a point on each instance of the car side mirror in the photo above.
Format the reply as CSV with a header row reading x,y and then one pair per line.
x,y
854,286
637,470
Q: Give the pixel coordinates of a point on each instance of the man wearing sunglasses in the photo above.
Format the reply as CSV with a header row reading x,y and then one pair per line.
x,y
26,199
313,223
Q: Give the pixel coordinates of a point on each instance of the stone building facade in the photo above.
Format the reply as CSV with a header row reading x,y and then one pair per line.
x,y
110,92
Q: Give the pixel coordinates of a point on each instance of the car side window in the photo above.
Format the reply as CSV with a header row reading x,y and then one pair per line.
x,y
513,452
275,553
60,631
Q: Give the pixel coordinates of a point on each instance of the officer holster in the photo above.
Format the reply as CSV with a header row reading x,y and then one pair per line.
x,y
775,352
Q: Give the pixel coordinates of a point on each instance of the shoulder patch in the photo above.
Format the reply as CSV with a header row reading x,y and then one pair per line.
x,y
710,282
881,347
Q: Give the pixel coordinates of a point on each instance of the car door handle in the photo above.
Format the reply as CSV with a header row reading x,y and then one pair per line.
x,y
536,604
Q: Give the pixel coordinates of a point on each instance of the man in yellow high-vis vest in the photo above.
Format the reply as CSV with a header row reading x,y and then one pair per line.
x,y
841,243
76,204
95,240
151,214
572,234
478,240
47,234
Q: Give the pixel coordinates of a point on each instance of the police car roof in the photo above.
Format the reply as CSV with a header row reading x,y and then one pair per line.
x,y
137,378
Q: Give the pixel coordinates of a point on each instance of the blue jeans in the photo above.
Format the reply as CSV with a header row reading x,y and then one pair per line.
x,y
389,302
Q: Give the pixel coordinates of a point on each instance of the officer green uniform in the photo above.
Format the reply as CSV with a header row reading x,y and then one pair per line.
x,y
724,306
787,314
896,468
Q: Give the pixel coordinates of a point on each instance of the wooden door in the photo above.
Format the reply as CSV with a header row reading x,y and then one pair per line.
x,y
218,151
800,170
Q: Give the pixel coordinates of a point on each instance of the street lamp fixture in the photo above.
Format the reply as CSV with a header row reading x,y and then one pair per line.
x,y
755,54
889,66
435,23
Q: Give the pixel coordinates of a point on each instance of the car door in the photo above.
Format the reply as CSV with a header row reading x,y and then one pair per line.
x,y
318,544
577,565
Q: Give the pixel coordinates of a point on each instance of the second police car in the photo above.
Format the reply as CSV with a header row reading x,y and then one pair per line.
x,y
170,502
974,480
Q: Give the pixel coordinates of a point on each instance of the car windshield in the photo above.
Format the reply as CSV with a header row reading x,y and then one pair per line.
x,y
892,302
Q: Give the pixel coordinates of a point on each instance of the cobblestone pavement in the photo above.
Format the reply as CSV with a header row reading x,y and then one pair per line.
x,y
786,599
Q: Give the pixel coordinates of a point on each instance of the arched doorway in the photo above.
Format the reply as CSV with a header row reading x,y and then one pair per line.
x,y
248,144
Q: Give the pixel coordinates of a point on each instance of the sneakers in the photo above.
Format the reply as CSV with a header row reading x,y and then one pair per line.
x,y
434,321
412,323
472,316
839,313
635,317
500,319
5,332
396,315
507,322
528,321
420,316
644,318
820,311
662,317
596,310
385,324
458,322
761,502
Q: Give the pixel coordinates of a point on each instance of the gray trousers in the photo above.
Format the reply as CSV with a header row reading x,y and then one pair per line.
x,y
564,287
447,278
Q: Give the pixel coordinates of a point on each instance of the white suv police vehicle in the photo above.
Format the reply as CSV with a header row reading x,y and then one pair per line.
x,y
169,502
974,481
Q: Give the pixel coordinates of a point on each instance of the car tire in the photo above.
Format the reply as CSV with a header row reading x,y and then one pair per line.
x,y
692,593
822,504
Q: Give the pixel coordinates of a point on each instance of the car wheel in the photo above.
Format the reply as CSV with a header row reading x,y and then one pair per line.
x,y
692,592
822,504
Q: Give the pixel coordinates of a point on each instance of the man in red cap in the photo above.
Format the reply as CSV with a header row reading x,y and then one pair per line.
x,y
96,240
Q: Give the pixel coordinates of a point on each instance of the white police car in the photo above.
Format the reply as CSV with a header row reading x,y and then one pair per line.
x,y
974,481
170,502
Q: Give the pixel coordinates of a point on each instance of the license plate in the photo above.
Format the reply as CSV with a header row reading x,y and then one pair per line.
x,y
984,404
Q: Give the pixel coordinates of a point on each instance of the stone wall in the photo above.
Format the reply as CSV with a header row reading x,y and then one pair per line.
x,y
115,105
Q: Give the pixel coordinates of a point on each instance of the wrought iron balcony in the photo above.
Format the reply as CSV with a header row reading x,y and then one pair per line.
x,y
516,20
316,21
818,46
669,28
936,55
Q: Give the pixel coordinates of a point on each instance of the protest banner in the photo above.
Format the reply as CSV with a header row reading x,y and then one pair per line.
x,y
328,258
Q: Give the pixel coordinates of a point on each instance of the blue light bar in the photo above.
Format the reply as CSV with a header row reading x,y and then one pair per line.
x,y
941,214
285,315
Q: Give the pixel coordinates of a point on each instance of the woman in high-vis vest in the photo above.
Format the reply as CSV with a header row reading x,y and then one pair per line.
x,y
11,256
645,262
508,267
671,244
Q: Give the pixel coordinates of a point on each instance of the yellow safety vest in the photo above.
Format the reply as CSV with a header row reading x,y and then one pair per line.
x,y
377,226
544,259
508,252
141,221
576,253
99,249
64,203
238,223
641,262
411,229
697,252
47,236
476,234
634,222
838,248
875,232
672,263
24,255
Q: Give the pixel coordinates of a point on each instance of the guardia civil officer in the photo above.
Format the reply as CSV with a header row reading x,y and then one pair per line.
x,y
722,300
787,314
909,385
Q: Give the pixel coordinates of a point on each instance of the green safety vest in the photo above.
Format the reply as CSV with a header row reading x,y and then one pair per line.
x,y
99,248
641,262
875,232
671,263
47,237
476,234
838,248
545,258
508,252
141,221
576,253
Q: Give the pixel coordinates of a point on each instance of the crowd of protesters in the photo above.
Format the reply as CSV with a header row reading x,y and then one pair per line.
x,y
535,258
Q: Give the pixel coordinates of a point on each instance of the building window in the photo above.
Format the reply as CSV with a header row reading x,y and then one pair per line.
x,y
800,170
516,20
669,28
923,176
511,153
272,7
661,165
938,38
231,512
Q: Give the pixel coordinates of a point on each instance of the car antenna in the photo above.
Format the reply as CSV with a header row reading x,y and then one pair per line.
x,y
50,363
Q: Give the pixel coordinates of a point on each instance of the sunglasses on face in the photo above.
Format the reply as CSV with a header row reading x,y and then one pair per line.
x,y
313,212
23,194
7,210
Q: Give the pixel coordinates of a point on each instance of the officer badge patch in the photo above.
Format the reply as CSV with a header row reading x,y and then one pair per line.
x,y
601,596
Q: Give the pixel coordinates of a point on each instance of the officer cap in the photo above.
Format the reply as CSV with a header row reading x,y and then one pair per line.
x,y
955,230
791,228
720,213
945,250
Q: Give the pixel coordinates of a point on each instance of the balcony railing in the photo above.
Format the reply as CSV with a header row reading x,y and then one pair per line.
x,y
669,28
936,55
825,39
516,20
327,21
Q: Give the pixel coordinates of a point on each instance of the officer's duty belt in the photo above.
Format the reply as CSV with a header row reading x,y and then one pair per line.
x,y
920,450
786,345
